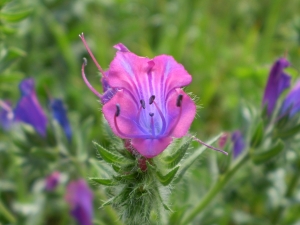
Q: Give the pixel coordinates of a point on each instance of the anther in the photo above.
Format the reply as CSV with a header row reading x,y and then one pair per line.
x,y
118,110
151,99
179,100
84,61
143,103
151,114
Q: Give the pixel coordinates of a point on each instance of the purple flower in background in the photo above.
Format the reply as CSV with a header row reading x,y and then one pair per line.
x,y
291,104
144,100
28,109
52,181
80,198
238,143
278,81
60,114
6,115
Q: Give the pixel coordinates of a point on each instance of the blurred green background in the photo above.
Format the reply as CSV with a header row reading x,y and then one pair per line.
x,y
227,47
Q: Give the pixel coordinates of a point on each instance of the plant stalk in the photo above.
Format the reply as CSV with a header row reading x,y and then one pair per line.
x,y
220,183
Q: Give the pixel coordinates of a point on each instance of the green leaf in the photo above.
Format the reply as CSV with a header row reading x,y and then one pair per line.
x,y
15,16
258,135
110,157
7,30
263,156
288,133
166,179
171,161
102,181
10,57
116,168
11,77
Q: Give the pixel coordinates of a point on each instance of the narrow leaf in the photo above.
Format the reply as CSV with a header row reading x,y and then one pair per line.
x,y
288,133
263,156
171,161
102,181
15,16
166,179
110,157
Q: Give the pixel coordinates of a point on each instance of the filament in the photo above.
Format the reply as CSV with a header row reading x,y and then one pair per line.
x,y
162,118
91,54
211,147
87,82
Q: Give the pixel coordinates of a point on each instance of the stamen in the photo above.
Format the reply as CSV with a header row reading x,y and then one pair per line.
x,y
91,54
86,81
180,111
143,103
152,124
151,99
179,100
118,110
117,113
211,147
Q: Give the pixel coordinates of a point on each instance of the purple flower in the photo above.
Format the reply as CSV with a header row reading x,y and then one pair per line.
x,y
278,81
6,115
52,181
80,198
28,109
291,104
144,100
60,114
238,143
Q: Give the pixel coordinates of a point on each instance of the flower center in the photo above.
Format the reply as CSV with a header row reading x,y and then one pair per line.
x,y
149,126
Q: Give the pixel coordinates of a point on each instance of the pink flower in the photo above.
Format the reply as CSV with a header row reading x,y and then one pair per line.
x,y
144,100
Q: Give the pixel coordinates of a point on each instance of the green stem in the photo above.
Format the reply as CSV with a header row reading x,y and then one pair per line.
x,y
221,182
289,192
5,213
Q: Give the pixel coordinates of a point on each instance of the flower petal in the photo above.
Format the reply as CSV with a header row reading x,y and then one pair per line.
x,y
80,198
26,86
291,104
127,122
169,74
150,147
146,77
29,110
60,114
127,71
278,81
238,143
179,123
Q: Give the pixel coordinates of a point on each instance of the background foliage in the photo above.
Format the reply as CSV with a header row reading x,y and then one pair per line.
x,y
228,48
